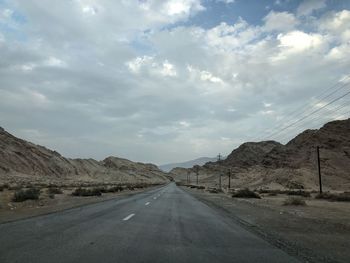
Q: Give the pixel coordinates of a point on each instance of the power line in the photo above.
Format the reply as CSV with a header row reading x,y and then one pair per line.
x,y
313,112
305,108
334,110
328,118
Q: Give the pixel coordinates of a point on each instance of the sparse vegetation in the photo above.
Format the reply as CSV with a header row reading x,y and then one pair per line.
x,y
294,201
87,192
54,191
287,192
299,192
341,197
27,194
245,193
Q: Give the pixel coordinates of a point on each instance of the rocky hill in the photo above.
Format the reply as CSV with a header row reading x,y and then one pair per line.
x,y
24,161
249,153
294,165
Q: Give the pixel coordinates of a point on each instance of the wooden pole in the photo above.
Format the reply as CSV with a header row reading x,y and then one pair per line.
x,y
229,179
319,169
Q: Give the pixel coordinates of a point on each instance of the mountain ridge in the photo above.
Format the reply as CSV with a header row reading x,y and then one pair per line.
x,y
21,160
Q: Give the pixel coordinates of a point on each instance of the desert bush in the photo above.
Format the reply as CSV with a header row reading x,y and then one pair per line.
x,y
86,192
114,189
200,187
299,192
272,194
2,188
342,197
214,190
294,201
246,193
54,190
28,194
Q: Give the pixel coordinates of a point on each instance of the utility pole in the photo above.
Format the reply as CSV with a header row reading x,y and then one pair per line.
x,y
319,168
219,157
229,178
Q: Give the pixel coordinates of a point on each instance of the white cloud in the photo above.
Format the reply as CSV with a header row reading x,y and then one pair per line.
x,y
280,21
336,22
298,42
54,62
152,66
225,37
226,1
307,7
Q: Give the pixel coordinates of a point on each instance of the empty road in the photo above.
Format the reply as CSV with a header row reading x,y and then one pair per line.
x,y
160,225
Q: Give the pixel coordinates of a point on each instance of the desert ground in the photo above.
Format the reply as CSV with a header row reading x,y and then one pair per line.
x,y
317,231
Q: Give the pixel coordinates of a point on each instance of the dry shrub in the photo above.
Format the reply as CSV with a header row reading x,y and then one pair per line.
x,y
299,192
27,194
294,201
342,197
246,193
54,191
87,192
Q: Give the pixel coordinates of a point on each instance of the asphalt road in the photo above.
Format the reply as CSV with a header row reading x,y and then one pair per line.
x,y
161,225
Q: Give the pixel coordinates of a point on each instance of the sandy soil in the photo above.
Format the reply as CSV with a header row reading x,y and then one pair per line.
x,y
317,232
10,211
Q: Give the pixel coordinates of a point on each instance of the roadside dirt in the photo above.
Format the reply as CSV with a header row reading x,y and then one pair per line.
x,y
11,211
317,232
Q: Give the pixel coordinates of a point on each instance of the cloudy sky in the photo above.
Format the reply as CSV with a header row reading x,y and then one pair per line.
x,y
166,80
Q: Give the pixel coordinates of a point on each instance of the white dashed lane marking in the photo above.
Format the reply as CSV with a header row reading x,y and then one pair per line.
x,y
128,217
147,203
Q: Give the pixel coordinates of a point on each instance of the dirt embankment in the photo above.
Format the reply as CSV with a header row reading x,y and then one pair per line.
x,y
316,232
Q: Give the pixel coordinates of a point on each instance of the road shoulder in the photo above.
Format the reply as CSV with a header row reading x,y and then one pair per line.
x,y
308,239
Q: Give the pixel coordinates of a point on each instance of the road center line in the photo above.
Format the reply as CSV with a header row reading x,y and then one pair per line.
x,y
147,203
128,217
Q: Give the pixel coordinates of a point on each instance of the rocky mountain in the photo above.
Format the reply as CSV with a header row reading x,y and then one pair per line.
x,y
294,165
188,164
249,153
24,161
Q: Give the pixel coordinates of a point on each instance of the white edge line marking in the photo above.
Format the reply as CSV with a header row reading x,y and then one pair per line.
x,y
154,198
147,203
128,217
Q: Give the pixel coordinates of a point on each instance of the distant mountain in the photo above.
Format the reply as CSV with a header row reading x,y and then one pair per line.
x,y
22,161
188,164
